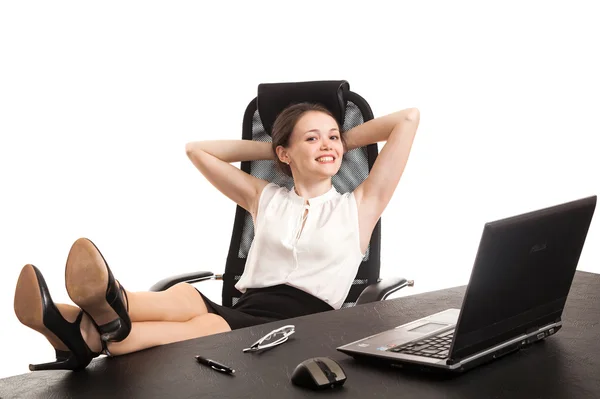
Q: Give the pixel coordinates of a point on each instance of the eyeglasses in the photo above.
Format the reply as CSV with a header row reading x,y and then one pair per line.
x,y
274,338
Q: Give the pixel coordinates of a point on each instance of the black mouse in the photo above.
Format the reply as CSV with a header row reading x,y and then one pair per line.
x,y
319,373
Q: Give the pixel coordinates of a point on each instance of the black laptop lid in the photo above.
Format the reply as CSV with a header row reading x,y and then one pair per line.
x,y
522,275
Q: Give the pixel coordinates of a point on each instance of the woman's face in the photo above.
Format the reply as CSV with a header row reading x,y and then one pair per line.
x,y
316,147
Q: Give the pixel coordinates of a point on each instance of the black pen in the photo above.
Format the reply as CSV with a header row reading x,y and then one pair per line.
x,y
215,365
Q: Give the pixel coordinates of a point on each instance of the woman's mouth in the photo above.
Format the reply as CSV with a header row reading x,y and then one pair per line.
x,y
325,159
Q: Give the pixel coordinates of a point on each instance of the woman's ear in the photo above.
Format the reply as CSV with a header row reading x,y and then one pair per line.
x,y
282,154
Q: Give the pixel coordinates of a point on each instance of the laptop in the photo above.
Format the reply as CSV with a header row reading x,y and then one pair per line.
x,y
518,287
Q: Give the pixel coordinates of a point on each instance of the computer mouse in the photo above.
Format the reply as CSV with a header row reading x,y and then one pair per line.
x,y
319,373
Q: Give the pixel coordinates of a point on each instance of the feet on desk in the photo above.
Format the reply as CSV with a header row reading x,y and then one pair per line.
x,y
60,324
92,286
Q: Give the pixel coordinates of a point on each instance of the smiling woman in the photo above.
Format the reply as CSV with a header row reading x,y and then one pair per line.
x,y
311,232
308,244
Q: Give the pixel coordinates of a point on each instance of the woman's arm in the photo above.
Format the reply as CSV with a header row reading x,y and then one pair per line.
x,y
233,150
213,159
373,194
375,130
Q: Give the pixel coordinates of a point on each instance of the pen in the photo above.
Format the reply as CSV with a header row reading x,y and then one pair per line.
x,y
215,365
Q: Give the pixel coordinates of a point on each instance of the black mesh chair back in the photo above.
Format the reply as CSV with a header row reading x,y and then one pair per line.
x,y
350,109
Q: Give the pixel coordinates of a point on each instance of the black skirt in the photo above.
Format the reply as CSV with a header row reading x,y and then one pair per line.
x,y
264,305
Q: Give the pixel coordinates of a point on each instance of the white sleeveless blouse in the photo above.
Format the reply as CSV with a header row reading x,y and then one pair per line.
x,y
322,258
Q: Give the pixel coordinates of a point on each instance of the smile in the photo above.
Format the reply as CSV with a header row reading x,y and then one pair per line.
x,y
327,159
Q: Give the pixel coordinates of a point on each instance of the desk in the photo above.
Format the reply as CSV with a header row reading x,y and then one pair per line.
x,y
565,366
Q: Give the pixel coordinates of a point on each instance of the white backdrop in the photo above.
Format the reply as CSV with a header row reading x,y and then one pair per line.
x,y
98,100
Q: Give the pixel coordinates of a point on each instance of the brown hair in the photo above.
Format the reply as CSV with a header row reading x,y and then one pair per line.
x,y
284,126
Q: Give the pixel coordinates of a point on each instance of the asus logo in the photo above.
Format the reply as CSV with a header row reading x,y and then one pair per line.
x,y
537,248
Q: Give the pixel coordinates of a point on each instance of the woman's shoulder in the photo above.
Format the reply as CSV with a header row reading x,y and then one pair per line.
x,y
274,187
272,190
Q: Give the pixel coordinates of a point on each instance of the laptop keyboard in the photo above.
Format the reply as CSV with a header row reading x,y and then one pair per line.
x,y
436,347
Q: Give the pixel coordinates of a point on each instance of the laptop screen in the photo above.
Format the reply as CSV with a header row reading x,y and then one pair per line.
x,y
522,275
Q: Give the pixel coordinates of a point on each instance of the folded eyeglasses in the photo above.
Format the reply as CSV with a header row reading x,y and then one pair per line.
x,y
274,338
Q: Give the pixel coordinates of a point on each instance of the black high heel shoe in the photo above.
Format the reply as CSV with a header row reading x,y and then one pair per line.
x,y
92,286
34,308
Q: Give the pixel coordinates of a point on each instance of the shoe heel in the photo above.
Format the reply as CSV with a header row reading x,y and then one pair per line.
x,y
118,329
114,331
64,361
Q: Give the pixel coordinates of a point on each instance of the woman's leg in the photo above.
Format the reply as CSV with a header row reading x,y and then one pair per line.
x,y
182,302
143,334
153,333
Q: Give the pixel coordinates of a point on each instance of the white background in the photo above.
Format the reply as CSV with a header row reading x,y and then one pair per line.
x,y
97,101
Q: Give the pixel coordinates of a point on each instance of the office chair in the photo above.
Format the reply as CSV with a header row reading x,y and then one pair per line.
x,y
350,110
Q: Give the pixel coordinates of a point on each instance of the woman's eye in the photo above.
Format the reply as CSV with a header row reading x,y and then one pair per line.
x,y
334,137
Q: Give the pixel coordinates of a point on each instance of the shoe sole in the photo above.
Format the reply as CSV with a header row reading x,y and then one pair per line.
x,y
86,279
28,306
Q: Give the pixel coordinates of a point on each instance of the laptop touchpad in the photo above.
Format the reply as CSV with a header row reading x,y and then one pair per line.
x,y
428,327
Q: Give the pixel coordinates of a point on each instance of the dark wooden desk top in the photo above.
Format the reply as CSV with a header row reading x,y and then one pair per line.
x,y
567,365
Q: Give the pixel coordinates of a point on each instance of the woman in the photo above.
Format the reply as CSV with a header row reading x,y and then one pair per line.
x,y
303,237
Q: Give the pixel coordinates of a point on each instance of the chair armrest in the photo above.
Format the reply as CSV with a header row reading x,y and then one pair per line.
x,y
382,289
193,277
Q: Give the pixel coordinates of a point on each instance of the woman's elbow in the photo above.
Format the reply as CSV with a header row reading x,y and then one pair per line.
x,y
191,147
412,114
407,115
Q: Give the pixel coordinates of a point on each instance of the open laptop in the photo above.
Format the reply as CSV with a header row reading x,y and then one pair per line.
x,y
519,284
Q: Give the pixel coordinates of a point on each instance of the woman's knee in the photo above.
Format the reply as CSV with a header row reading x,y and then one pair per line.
x,y
189,295
183,290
